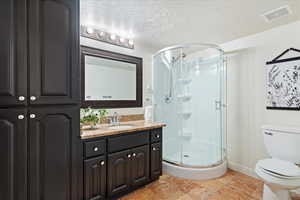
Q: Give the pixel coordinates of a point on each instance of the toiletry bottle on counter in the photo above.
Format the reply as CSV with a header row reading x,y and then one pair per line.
x,y
148,115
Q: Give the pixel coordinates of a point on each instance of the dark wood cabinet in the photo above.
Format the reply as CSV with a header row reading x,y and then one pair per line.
x,y
40,146
140,165
54,51
118,172
54,153
13,57
95,178
156,160
13,154
133,160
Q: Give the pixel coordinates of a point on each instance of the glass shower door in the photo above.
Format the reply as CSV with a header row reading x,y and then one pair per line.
x,y
201,128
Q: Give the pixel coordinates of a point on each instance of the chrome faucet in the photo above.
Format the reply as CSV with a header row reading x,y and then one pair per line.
x,y
115,119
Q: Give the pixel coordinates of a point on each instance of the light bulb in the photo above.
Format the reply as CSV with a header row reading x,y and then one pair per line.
x,y
90,30
122,39
130,42
112,37
101,34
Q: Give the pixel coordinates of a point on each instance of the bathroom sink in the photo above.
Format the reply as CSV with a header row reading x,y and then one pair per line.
x,y
120,127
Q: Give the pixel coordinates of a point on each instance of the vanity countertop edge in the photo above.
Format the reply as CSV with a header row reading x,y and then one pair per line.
x,y
104,129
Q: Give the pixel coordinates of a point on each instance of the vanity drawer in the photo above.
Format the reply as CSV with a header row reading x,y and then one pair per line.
x,y
94,148
128,141
156,135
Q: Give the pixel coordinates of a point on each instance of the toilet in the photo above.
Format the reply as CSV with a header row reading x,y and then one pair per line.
x,y
280,172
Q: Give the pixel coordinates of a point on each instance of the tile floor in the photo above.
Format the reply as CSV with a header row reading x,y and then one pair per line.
x,y
232,186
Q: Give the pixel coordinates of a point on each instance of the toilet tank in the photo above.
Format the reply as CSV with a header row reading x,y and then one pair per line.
x,y
282,142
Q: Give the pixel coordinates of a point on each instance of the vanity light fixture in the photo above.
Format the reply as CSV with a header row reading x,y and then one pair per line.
x,y
107,37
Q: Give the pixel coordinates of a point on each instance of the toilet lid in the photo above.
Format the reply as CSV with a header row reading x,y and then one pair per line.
x,y
280,167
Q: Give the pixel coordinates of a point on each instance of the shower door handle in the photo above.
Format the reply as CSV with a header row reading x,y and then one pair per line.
x,y
218,105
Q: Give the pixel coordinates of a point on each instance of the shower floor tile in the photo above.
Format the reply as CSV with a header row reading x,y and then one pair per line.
x,y
232,186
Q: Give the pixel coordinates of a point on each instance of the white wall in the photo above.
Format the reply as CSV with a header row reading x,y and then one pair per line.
x,y
139,51
247,96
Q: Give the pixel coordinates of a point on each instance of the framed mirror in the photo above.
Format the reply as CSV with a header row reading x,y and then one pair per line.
x,y
110,80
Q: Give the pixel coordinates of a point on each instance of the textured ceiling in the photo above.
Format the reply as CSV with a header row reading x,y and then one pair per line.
x,y
160,23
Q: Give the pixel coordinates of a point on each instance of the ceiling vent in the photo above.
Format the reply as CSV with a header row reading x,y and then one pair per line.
x,y
277,13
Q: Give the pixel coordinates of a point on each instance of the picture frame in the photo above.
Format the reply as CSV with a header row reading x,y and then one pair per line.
x,y
283,82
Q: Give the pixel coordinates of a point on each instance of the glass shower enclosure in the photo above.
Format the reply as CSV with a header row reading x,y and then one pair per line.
x,y
189,96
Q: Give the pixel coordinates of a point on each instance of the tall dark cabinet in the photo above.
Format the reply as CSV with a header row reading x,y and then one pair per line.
x,y
13,52
40,146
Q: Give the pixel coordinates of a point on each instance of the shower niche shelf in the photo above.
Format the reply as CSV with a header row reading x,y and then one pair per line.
x,y
184,80
185,97
186,133
185,114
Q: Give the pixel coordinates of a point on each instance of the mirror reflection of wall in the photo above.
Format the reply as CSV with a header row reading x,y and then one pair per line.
x,y
109,79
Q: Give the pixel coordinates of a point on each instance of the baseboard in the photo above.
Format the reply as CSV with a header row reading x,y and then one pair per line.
x,y
240,168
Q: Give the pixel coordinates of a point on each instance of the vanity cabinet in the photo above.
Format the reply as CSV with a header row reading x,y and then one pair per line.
x,y
156,160
133,160
95,178
118,172
127,168
140,165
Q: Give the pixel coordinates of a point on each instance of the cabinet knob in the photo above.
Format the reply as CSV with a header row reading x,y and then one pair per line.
x,y
32,116
102,163
133,154
96,149
21,116
21,98
157,136
32,98
129,156
154,149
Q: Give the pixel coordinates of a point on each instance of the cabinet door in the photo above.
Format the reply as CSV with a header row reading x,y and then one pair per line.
x,y
95,178
140,165
156,160
118,172
55,154
54,51
13,154
13,73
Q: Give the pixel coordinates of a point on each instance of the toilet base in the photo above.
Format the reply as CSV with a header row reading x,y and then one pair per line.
x,y
274,193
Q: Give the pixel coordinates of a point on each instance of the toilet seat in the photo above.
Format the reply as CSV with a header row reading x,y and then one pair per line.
x,y
278,175
287,181
279,168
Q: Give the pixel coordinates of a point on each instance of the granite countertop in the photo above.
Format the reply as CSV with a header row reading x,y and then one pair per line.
x,y
105,130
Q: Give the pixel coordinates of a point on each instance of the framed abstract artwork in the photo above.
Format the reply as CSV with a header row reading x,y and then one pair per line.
x,y
283,82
